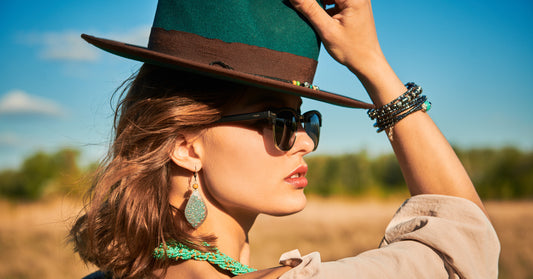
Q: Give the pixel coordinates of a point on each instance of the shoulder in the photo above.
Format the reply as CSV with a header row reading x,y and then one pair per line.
x,y
430,236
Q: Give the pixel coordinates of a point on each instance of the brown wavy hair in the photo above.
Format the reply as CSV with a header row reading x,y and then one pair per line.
x,y
127,212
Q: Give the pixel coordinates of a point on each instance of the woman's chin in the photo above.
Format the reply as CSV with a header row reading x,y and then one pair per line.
x,y
289,206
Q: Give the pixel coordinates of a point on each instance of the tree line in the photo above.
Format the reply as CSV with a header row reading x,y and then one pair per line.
x,y
498,173
45,174
502,174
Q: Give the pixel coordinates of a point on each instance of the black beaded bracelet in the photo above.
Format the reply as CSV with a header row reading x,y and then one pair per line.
x,y
383,119
412,92
419,105
388,115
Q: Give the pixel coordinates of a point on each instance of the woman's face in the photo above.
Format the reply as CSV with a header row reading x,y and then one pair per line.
x,y
244,172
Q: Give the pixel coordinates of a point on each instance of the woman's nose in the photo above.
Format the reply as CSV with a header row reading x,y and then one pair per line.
x,y
303,142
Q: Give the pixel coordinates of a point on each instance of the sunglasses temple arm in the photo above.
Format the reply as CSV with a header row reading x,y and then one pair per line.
x,y
245,116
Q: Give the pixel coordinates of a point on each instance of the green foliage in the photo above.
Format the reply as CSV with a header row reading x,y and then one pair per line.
x,y
337,175
42,174
505,173
354,174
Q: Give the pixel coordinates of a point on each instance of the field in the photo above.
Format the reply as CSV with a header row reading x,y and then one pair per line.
x,y
32,236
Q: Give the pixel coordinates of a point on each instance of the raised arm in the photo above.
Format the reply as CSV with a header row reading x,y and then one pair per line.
x,y
428,162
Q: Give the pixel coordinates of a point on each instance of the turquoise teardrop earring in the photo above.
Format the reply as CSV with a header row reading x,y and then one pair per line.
x,y
195,210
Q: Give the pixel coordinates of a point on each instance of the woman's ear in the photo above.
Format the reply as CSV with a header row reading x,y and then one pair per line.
x,y
185,153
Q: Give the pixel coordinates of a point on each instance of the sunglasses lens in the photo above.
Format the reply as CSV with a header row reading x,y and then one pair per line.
x,y
284,127
312,123
285,123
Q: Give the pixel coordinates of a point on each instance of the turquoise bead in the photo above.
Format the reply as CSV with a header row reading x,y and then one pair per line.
x,y
426,106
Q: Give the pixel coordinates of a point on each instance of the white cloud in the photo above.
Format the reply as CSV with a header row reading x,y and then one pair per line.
x,y
68,45
20,102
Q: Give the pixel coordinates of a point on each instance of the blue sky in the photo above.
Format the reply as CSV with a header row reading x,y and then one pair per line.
x,y
474,60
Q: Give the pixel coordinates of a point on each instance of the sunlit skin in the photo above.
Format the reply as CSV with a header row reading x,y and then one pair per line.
x,y
242,174
348,33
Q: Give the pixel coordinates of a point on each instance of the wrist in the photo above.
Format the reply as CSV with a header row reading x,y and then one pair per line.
x,y
379,79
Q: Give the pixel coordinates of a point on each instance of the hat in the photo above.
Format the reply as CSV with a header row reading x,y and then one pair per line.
x,y
261,43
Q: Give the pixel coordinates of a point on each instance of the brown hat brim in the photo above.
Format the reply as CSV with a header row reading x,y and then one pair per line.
x,y
154,57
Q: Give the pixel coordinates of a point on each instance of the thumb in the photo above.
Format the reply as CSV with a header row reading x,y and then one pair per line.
x,y
316,15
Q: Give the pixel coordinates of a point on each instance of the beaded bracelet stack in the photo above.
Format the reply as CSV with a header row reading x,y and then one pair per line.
x,y
411,101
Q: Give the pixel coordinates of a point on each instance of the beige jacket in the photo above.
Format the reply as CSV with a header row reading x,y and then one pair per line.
x,y
430,236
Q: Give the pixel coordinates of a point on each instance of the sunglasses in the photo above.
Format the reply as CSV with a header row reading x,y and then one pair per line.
x,y
285,122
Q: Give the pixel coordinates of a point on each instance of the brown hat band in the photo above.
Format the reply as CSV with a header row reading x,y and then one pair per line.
x,y
237,56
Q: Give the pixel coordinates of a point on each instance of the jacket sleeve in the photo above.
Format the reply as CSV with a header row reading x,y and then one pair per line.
x,y
430,236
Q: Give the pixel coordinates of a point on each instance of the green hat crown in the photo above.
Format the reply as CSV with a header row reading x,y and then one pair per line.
x,y
272,24
261,37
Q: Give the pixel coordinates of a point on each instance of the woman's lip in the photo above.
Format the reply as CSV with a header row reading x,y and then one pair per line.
x,y
301,170
299,179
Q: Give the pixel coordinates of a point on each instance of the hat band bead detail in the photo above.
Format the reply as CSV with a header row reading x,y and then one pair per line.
x,y
305,84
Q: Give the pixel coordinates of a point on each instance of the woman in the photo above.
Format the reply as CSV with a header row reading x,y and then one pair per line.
x,y
200,151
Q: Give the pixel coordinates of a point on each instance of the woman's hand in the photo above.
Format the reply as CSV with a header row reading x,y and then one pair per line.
x,y
349,35
347,31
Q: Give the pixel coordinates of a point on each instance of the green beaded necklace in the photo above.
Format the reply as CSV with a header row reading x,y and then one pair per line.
x,y
176,250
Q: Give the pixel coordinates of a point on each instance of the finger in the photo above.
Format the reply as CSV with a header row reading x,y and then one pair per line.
x,y
313,12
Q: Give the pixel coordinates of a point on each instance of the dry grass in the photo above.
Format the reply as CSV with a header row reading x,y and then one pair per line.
x,y
33,241
33,236
513,222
